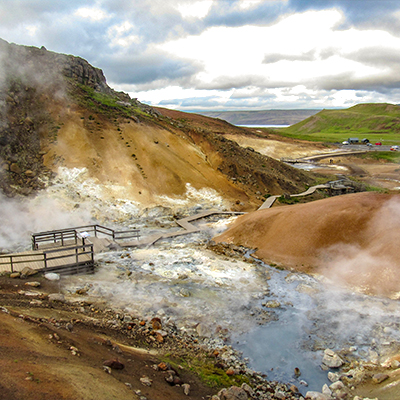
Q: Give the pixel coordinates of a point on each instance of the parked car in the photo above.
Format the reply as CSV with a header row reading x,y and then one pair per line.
x,y
378,144
345,142
394,148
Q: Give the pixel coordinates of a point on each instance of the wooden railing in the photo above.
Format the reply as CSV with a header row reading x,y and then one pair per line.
x,y
48,259
61,236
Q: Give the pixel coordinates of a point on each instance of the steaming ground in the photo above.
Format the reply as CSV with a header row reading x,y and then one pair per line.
x,y
204,293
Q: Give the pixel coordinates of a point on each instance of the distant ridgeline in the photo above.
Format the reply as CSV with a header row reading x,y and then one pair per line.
x,y
265,117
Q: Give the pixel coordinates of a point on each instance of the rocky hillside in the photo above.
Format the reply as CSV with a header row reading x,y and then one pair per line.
x,y
58,111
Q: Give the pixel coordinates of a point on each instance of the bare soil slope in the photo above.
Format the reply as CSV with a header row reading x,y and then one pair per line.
x,y
351,238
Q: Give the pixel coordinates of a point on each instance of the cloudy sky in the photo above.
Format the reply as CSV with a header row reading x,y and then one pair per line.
x,y
225,54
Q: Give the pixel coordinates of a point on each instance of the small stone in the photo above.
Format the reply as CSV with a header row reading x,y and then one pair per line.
x,y
156,323
297,372
56,297
248,389
107,369
69,327
339,385
294,389
52,276
162,366
333,377
28,272
186,389
32,284
280,395
272,304
331,359
159,338
14,275
146,381
230,371
114,364
203,331
233,393
379,378
326,390
316,396
395,364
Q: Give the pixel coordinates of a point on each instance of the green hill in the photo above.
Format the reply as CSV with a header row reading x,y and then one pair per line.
x,y
378,121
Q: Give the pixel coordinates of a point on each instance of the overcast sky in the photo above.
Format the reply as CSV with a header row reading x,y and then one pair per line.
x,y
224,54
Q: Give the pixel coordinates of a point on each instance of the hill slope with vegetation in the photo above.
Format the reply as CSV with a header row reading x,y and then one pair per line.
x,y
379,121
58,111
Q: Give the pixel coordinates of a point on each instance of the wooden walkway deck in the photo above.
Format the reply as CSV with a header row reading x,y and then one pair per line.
x,y
51,259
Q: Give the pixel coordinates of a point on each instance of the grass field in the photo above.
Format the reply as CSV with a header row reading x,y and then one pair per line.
x,y
376,122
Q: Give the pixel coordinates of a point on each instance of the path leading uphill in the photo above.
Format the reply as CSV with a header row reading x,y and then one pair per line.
x,y
270,201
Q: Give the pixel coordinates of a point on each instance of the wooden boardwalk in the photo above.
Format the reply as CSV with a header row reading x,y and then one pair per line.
x,y
51,259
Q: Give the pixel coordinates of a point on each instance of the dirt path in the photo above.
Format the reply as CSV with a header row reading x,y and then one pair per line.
x,y
53,350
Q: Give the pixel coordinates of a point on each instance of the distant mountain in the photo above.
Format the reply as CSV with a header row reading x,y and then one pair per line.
x,y
360,119
265,117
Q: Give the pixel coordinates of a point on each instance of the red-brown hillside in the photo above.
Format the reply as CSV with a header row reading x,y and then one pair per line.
x,y
352,239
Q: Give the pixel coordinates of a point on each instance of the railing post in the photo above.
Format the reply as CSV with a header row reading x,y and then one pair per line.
x,y
95,230
77,256
62,238
45,260
11,263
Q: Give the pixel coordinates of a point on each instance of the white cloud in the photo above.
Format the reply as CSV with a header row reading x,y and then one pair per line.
x,y
196,9
92,13
122,35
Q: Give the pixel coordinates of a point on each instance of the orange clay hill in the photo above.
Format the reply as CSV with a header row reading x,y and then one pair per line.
x,y
351,239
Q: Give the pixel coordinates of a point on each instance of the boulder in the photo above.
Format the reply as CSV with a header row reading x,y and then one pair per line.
x,y
114,364
331,359
233,393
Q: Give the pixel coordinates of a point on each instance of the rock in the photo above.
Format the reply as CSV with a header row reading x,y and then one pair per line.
x,y
69,327
297,372
27,272
107,369
333,377
316,396
146,381
186,389
331,359
14,275
339,385
52,276
248,389
114,364
14,167
29,173
326,391
280,395
395,364
230,371
32,284
272,304
56,297
233,393
379,378
156,323
162,366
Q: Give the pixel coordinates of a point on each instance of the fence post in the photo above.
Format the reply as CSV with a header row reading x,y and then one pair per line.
x,y
11,263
